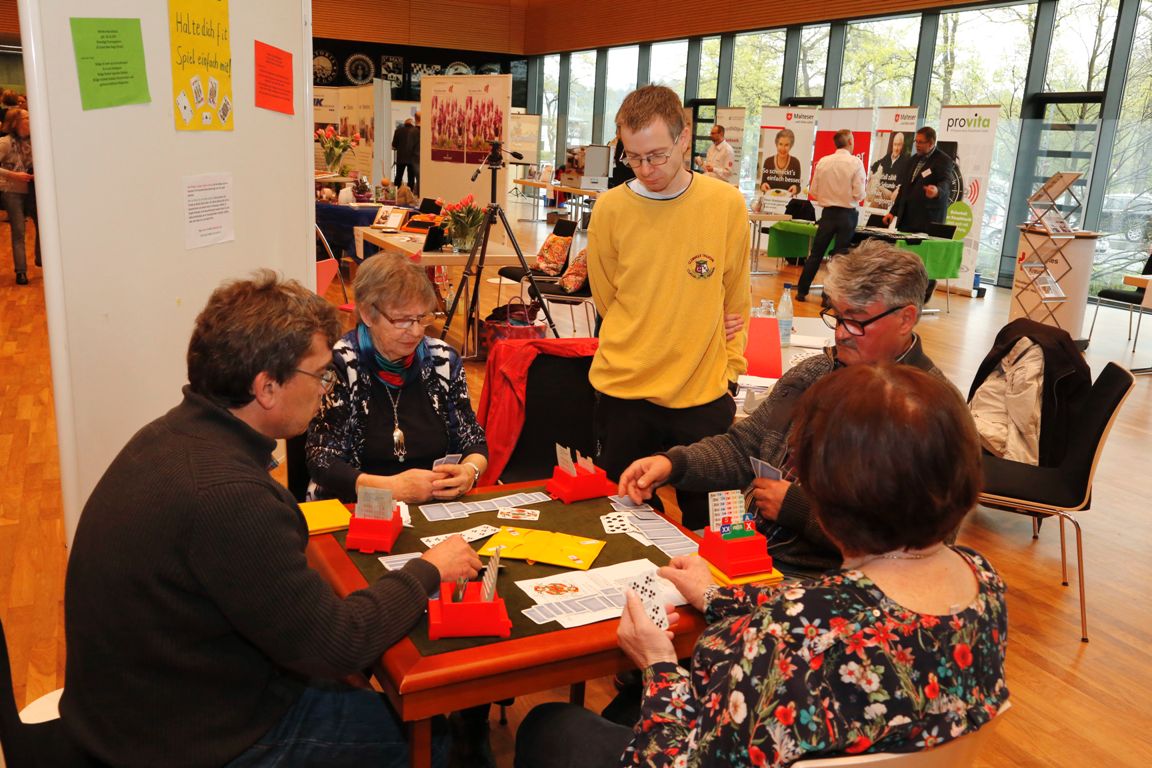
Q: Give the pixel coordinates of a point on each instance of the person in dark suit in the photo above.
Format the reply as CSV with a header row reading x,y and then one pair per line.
x,y
925,187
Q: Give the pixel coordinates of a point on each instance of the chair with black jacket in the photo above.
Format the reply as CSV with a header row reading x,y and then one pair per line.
x,y
1064,487
561,238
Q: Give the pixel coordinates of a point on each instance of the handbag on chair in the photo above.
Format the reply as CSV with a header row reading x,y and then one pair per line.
x,y
514,320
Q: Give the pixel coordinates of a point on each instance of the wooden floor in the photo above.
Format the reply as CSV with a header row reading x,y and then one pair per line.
x,y
1075,704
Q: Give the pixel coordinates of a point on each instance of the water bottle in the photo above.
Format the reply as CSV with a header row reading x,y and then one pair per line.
x,y
784,315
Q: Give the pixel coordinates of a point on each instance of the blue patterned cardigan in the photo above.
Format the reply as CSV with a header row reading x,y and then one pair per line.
x,y
336,435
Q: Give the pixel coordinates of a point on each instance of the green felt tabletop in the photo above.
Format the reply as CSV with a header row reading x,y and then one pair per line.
x,y
581,518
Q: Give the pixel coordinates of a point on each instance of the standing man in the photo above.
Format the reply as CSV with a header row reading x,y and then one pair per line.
x,y
667,259
406,144
721,159
925,189
837,185
197,633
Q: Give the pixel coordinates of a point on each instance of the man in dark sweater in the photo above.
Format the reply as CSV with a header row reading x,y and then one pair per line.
x,y
197,634
873,296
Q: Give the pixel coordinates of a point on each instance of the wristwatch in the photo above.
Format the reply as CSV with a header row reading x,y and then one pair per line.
x,y
476,469
733,388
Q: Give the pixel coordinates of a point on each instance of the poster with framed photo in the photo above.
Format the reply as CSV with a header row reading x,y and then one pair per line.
x,y
392,71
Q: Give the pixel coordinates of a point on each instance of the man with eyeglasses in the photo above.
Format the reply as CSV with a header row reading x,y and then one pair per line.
x,y
197,634
926,189
874,294
667,261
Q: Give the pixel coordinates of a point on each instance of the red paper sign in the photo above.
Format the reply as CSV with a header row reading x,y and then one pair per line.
x,y
273,78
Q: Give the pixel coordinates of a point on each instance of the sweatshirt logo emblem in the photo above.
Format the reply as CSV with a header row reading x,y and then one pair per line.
x,y
701,266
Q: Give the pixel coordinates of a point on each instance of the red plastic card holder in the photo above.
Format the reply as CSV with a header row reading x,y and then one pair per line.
x,y
737,556
369,535
470,617
583,485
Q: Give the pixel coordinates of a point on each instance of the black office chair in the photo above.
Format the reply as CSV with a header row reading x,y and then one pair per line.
x,y
559,404
1132,297
1066,488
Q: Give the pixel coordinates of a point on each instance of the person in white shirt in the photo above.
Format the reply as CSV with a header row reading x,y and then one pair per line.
x,y
721,159
837,185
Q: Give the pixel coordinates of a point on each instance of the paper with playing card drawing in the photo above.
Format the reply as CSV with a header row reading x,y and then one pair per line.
x,y
564,459
374,503
574,599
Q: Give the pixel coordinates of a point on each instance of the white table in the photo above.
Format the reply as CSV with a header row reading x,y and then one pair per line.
x,y
755,220
1140,281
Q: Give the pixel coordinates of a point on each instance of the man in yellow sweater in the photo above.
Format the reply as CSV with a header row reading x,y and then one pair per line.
x,y
667,260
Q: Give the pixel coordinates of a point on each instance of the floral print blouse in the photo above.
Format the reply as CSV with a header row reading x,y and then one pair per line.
x,y
829,666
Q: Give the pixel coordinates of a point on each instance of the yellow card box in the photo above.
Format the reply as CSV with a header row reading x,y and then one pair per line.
x,y
550,547
325,516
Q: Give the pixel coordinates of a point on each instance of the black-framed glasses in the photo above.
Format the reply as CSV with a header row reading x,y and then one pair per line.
x,y
654,159
327,378
832,319
404,323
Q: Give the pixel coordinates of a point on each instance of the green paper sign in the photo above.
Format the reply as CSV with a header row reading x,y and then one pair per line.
x,y
110,62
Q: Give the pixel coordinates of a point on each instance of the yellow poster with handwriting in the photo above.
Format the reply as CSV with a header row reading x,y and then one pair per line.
x,y
201,65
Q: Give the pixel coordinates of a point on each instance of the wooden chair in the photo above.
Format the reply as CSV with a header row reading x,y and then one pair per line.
x,y
957,753
328,262
1058,491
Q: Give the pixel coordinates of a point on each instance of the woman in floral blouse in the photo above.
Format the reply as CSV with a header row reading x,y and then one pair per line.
x,y
900,651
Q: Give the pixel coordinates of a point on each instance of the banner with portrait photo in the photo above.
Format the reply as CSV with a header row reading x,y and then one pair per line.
x,y
971,130
785,159
892,146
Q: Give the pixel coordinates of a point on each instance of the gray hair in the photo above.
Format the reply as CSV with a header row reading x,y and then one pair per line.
x,y
388,281
877,271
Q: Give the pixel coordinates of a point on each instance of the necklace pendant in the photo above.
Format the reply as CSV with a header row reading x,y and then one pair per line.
x,y
398,446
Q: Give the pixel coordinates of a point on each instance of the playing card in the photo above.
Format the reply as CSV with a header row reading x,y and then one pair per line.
x,y
213,91
197,90
479,532
645,588
585,462
225,109
514,513
617,522
564,459
431,541
537,615
452,458
206,118
184,106
625,500
762,468
374,504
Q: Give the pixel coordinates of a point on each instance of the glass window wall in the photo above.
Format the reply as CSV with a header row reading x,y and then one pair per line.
x,y
879,61
813,60
622,63
581,90
758,62
550,109
669,62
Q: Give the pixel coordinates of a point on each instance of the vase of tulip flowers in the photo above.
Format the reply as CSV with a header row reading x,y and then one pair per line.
x,y
334,146
464,222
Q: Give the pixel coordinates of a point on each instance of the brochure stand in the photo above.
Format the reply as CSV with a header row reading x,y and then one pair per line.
x,y
369,535
470,617
1055,261
583,485
736,554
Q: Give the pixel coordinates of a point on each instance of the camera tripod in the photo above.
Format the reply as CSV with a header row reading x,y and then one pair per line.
x,y
474,267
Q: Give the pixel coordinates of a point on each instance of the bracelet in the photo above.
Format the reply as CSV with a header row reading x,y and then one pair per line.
x,y
476,469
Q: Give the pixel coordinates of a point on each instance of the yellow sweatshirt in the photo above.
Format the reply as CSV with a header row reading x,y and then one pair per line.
x,y
663,274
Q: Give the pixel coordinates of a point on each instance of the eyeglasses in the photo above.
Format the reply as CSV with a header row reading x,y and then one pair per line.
x,y
854,327
654,159
327,378
404,323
